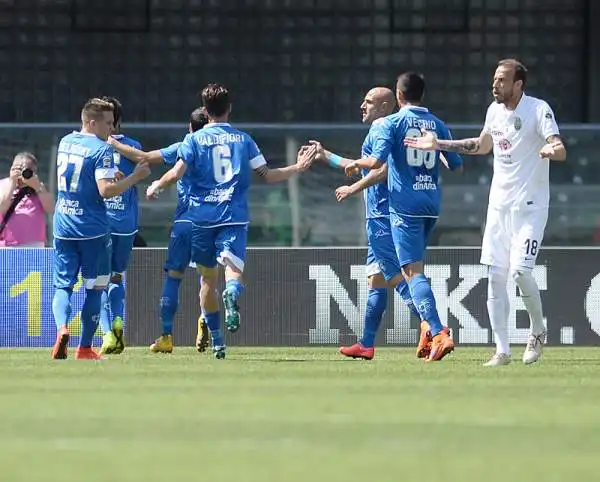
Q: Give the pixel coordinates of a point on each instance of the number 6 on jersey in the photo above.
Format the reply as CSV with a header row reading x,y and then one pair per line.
x,y
223,170
418,158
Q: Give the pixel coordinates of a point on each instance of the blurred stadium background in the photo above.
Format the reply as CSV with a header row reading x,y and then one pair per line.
x,y
298,70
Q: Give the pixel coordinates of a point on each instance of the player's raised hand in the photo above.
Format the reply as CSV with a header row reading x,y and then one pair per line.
x,y
306,156
427,141
153,191
352,169
141,170
320,150
342,193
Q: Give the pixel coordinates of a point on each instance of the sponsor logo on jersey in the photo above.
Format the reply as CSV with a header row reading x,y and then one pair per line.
x,y
504,144
424,182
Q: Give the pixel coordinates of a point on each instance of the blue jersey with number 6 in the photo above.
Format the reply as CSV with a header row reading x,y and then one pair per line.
x,y
220,160
413,177
80,211
123,209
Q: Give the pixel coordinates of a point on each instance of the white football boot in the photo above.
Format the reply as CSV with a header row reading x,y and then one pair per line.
x,y
499,359
533,350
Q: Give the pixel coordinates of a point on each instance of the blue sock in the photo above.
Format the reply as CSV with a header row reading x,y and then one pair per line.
x,y
61,306
235,287
168,304
404,291
424,301
105,323
376,304
214,325
90,315
116,297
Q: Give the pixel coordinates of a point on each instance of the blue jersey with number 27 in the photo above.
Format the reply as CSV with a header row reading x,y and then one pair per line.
x,y
413,175
80,211
220,160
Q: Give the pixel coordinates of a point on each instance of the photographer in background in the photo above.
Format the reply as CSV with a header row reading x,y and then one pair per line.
x,y
24,203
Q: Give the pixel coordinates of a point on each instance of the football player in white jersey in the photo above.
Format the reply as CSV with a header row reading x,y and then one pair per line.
x,y
524,136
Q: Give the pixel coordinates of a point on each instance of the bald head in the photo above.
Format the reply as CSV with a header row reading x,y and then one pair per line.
x,y
378,102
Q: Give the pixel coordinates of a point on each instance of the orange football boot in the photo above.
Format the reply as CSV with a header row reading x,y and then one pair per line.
x,y
424,346
441,345
59,351
358,351
86,353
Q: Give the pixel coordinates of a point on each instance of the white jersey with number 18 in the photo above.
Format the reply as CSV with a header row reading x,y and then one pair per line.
x,y
521,177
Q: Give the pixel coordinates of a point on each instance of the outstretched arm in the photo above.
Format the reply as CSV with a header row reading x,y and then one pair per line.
x,y
472,146
135,155
304,159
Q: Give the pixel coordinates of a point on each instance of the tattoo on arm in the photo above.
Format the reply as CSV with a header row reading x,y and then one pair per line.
x,y
463,146
554,138
262,170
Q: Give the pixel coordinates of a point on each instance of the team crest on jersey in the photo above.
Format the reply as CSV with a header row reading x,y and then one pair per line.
x,y
106,162
548,115
518,123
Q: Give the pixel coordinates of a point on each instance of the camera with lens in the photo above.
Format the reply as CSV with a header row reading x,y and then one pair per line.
x,y
27,173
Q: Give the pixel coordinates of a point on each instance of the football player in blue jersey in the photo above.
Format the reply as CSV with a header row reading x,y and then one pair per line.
x,y
382,268
219,160
180,240
85,177
414,196
122,213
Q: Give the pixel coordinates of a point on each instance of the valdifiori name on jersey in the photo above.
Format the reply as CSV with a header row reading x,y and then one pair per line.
x,y
424,182
69,207
115,203
213,139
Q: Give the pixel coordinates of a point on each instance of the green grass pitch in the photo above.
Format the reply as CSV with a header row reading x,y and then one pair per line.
x,y
299,414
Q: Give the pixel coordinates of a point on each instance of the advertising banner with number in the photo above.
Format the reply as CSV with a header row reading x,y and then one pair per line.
x,y
300,297
26,294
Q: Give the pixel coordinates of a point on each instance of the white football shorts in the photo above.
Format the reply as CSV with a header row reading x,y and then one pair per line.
x,y
513,237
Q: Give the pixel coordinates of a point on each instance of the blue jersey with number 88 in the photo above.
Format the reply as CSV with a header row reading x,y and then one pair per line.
x,y
80,211
220,160
413,175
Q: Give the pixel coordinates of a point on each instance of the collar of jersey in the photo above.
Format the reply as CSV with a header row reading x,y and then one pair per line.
x,y
217,124
89,134
517,106
415,107
117,136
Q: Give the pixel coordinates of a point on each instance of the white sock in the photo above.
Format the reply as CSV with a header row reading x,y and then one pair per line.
x,y
530,294
498,307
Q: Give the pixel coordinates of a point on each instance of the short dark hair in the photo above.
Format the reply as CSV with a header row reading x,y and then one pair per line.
x,y
215,99
118,108
412,86
519,69
198,119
